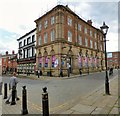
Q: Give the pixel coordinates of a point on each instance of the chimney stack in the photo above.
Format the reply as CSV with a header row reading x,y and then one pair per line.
x,y
89,22
13,52
6,52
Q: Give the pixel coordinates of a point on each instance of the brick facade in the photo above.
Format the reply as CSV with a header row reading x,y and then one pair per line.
x,y
113,59
66,46
9,63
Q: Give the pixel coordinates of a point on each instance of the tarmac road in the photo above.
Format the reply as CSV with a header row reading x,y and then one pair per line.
x,y
62,92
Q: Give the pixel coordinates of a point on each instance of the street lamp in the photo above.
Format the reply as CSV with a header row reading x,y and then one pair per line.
x,y
104,29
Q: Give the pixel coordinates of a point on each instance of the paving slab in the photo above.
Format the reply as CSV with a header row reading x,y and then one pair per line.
x,y
83,108
114,111
97,111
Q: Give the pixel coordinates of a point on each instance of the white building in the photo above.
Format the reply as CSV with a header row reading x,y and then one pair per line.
x,y
27,53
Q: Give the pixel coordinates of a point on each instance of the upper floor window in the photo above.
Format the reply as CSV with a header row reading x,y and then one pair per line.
x,y
80,40
90,32
79,27
69,36
52,20
40,26
45,23
24,42
101,37
86,42
95,35
52,34
39,40
95,45
20,44
33,38
69,21
85,30
45,38
91,44
28,40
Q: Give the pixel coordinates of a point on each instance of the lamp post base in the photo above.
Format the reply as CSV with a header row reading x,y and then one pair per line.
x,y
107,88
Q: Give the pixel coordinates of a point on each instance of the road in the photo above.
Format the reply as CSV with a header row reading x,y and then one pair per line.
x,y
62,92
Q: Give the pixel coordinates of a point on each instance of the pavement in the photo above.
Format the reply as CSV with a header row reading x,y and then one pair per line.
x,y
96,102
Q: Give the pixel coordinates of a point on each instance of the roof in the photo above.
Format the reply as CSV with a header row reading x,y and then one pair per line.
x,y
26,34
69,10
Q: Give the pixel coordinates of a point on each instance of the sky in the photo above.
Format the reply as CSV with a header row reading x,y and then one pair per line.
x,y
18,16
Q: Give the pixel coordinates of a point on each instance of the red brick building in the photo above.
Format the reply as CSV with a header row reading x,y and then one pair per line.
x,y
113,59
63,37
9,62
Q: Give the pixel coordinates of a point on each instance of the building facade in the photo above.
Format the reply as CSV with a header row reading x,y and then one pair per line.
x,y
113,59
63,37
26,53
9,62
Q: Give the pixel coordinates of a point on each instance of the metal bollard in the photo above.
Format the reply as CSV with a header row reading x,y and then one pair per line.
x,y
24,101
5,90
0,88
13,102
45,104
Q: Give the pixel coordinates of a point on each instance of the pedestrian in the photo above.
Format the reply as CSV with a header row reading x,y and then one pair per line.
x,y
38,73
61,73
80,70
68,69
13,83
0,85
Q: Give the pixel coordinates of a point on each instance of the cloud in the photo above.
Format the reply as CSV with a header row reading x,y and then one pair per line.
x,y
17,17
8,41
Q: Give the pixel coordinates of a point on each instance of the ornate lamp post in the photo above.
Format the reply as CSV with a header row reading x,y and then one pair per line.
x,y
104,29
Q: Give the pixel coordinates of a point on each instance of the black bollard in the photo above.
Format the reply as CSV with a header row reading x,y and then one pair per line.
x,y
45,104
13,102
5,90
24,101
0,88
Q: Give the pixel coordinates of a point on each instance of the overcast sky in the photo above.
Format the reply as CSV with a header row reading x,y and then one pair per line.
x,y
17,18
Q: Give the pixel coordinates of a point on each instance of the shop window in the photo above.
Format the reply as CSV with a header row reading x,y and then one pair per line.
x,y
53,60
46,61
40,62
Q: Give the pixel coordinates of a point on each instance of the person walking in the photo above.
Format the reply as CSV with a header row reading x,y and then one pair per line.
x,y
68,69
38,73
13,83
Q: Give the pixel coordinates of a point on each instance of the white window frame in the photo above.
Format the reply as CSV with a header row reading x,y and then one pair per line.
x,y
20,44
80,39
95,45
91,32
85,30
95,34
91,44
29,40
69,36
45,37
40,26
45,23
79,27
40,40
69,21
52,20
86,42
52,35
